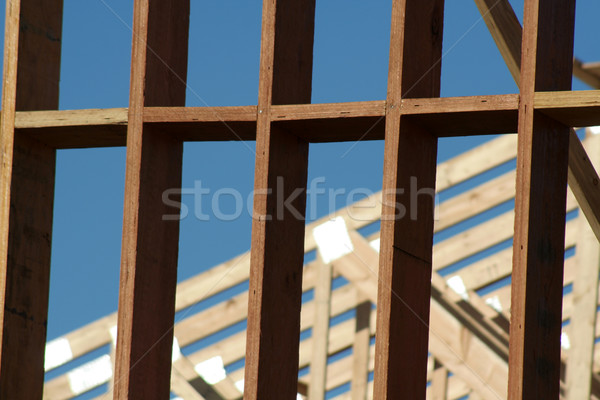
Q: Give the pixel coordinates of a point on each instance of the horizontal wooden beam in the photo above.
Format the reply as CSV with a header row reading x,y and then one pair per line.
x,y
573,109
328,111
75,128
316,123
199,114
463,116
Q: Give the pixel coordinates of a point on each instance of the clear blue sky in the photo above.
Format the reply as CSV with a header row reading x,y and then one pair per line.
x,y
350,64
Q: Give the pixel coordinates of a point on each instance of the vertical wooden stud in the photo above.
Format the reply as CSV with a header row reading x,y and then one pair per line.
x,y
150,243
31,76
360,351
320,333
538,247
277,253
407,214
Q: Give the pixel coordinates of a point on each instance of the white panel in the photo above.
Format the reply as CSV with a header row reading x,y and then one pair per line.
x,y
565,343
494,302
211,370
113,335
456,283
332,239
376,244
176,350
90,375
240,385
58,352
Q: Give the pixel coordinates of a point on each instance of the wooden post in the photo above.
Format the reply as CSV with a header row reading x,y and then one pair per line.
x,y
542,163
407,238
277,253
320,332
27,168
360,351
150,243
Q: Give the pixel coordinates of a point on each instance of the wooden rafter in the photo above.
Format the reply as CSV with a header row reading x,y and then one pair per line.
x,y
283,123
233,311
570,108
582,332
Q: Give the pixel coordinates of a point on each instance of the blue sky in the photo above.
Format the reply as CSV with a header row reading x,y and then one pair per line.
x,y
350,64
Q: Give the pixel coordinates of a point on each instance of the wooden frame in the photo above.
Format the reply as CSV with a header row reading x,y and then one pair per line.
x,y
487,351
283,123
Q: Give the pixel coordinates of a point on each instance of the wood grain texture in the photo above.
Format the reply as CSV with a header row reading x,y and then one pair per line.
x,y
407,238
277,252
326,111
69,129
542,164
31,76
582,332
150,243
465,116
577,108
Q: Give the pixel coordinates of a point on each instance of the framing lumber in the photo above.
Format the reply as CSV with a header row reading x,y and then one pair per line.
x,y
361,350
580,108
236,270
506,31
439,382
585,302
469,358
343,299
150,243
327,111
582,176
316,123
464,116
30,82
320,331
67,129
406,240
469,338
584,183
542,165
277,252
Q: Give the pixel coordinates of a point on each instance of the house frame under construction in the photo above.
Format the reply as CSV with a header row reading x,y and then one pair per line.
x,y
425,326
